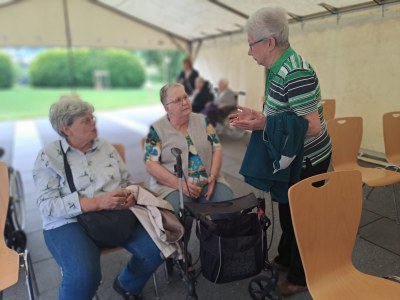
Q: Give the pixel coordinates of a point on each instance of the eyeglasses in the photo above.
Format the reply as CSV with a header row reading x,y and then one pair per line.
x,y
256,42
87,120
178,100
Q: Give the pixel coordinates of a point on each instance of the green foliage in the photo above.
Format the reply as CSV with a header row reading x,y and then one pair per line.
x,y
52,68
6,71
126,70
168,63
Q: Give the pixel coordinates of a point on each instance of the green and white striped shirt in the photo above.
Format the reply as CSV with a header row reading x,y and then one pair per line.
x,y
292,85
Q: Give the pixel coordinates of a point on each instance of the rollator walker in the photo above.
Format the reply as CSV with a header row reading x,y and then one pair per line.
x,y
233,242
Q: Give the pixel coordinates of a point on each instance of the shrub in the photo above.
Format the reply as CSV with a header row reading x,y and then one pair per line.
x,y
51,68
6,71
126,70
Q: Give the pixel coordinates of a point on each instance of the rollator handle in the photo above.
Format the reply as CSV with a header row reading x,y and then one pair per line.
x,y
176,152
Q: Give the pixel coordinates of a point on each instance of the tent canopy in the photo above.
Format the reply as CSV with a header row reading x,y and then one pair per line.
x,y
150,24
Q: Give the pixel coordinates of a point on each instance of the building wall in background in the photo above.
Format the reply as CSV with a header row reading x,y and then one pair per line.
x,y
356,58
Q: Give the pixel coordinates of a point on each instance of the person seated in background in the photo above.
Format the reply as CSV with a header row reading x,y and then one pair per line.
x,y
99,173
202,95
188,76
224,101
201,152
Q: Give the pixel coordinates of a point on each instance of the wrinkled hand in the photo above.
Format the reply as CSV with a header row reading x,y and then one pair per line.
x,y
211,187
247,119
191,190
119,199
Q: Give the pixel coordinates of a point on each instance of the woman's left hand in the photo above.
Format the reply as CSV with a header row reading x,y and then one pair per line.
x,y
130,201
211,186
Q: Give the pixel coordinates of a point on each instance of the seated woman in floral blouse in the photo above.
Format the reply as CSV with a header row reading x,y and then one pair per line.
x,y
201,152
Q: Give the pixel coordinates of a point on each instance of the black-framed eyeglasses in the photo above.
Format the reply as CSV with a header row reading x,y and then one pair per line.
x,y
178,100
256,42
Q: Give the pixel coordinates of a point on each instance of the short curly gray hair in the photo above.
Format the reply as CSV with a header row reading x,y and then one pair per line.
x,y
269,22
63,112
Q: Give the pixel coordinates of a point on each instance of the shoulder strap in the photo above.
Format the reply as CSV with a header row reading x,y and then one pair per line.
x,y
68,172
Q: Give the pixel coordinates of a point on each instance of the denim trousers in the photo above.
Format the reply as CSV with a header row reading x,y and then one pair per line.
x,y
79,260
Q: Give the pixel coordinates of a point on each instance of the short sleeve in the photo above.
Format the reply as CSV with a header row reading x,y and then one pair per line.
x,y
303,91
152,146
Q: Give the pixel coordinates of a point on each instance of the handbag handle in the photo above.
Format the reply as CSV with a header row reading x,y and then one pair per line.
x,y
68,171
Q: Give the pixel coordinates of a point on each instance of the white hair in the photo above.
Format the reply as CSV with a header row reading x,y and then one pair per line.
x,y
269,22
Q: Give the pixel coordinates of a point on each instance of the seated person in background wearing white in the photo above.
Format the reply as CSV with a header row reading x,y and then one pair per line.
x,y
202,95
201,152
98,173
225,100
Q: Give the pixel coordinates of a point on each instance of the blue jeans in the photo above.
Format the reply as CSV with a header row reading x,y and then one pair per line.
x,y
221,193
79,260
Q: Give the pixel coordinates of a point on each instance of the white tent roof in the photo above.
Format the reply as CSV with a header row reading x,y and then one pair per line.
x,y
150,24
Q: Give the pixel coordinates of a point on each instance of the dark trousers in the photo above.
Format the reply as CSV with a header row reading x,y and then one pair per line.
x,y
288,252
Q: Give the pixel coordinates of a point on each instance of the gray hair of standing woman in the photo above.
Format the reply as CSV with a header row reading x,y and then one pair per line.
x,y
269,22
63,112
164,90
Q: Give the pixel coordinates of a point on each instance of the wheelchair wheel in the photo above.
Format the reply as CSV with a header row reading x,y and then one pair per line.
x,y
16,240
17,199
261,288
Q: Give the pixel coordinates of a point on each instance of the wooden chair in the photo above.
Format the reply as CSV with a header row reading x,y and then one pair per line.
x,y
329,108
346,135
391,136
121,150
10,260
325,221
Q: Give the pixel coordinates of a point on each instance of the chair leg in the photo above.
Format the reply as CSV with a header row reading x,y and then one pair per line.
x,y
30,278
395,205
155,285
166,271
369,193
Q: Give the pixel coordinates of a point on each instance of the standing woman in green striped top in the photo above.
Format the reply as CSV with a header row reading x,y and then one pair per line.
x,y
291,86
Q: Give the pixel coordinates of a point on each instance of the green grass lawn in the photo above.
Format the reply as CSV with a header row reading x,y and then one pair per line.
x,y
26,102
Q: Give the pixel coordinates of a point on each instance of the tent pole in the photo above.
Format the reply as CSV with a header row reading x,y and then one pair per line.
x,y
71,63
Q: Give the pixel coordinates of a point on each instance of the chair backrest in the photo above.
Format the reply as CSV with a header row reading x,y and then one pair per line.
x,y
325,221
391,136
121,150
329,108
9,259
346,135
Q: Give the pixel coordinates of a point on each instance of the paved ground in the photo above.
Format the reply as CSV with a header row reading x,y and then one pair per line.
x,y
377,248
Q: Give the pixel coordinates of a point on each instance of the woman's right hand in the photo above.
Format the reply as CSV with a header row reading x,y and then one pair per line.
x,y
191,190
118,199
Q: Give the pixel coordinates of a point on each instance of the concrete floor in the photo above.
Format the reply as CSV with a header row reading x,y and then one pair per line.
x,y
377,248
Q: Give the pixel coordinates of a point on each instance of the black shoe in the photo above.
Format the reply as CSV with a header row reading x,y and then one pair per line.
x,y
124,293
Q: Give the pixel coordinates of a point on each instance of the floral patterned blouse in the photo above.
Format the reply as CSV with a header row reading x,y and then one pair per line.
x,y
196,171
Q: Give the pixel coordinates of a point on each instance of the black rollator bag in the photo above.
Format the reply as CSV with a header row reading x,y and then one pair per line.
x,y
107,228
231,249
